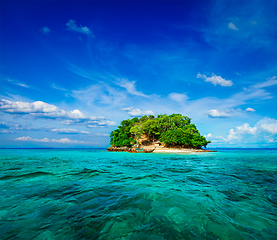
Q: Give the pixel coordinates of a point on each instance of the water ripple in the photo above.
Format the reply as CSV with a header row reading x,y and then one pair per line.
x,y
94,194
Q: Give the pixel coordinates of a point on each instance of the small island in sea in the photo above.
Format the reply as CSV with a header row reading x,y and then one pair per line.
x,y
165,133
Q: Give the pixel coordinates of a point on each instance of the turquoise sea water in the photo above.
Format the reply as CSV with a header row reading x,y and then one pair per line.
x,y
95,194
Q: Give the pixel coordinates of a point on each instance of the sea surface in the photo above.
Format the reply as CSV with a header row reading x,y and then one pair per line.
x,y
95,194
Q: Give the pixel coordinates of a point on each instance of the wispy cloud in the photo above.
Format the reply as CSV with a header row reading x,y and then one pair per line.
x,y
23,85
100,93
102,134
18,83
219,114
254,27
137,112
47,140
45,30
59,88
232,26
16,126
130,87
270,82
178,97
103,123
71,25
69,131
216,80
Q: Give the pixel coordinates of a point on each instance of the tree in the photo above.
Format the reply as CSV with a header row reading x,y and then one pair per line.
x,y
173,130
137,130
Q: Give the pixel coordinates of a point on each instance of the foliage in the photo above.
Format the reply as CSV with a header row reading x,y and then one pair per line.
x,y
172,130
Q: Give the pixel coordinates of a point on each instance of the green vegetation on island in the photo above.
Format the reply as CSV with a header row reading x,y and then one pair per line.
x,y
172,130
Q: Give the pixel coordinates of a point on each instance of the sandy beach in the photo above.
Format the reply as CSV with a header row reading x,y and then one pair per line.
x,y
160,149
177,150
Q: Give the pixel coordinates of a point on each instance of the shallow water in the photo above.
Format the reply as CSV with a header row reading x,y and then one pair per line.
x,y
95,194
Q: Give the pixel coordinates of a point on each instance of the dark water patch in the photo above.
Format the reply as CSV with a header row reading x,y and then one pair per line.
x,y
86,172
236,176
48,210
271,180
235,196
26,176
178,170
123,178
272,198
13,168
196,179
147,176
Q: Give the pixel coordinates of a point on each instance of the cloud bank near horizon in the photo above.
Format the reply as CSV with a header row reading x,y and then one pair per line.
x,y
265,130
39,109
47,140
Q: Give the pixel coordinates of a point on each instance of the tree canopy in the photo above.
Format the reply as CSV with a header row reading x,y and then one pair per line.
x,y
173,130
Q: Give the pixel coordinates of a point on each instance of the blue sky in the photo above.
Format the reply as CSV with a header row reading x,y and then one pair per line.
x,y
71,71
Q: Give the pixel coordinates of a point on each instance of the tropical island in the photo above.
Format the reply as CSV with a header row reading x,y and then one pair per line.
x,y
164,133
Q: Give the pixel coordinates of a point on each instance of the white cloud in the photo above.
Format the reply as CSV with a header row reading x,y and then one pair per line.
x,y
216,80
41,109
71,25
66,140
209,135
130,87
137,112
219,114
213,139
246,129
264,130
268,125
45,30
127,109
250,110
232,135
25,107
93,124
23,139
69,131
232,26
240,131
109,123
6,131
62,140
102,134
178,97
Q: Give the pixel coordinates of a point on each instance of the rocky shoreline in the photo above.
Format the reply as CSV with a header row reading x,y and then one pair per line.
x,y
148,149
